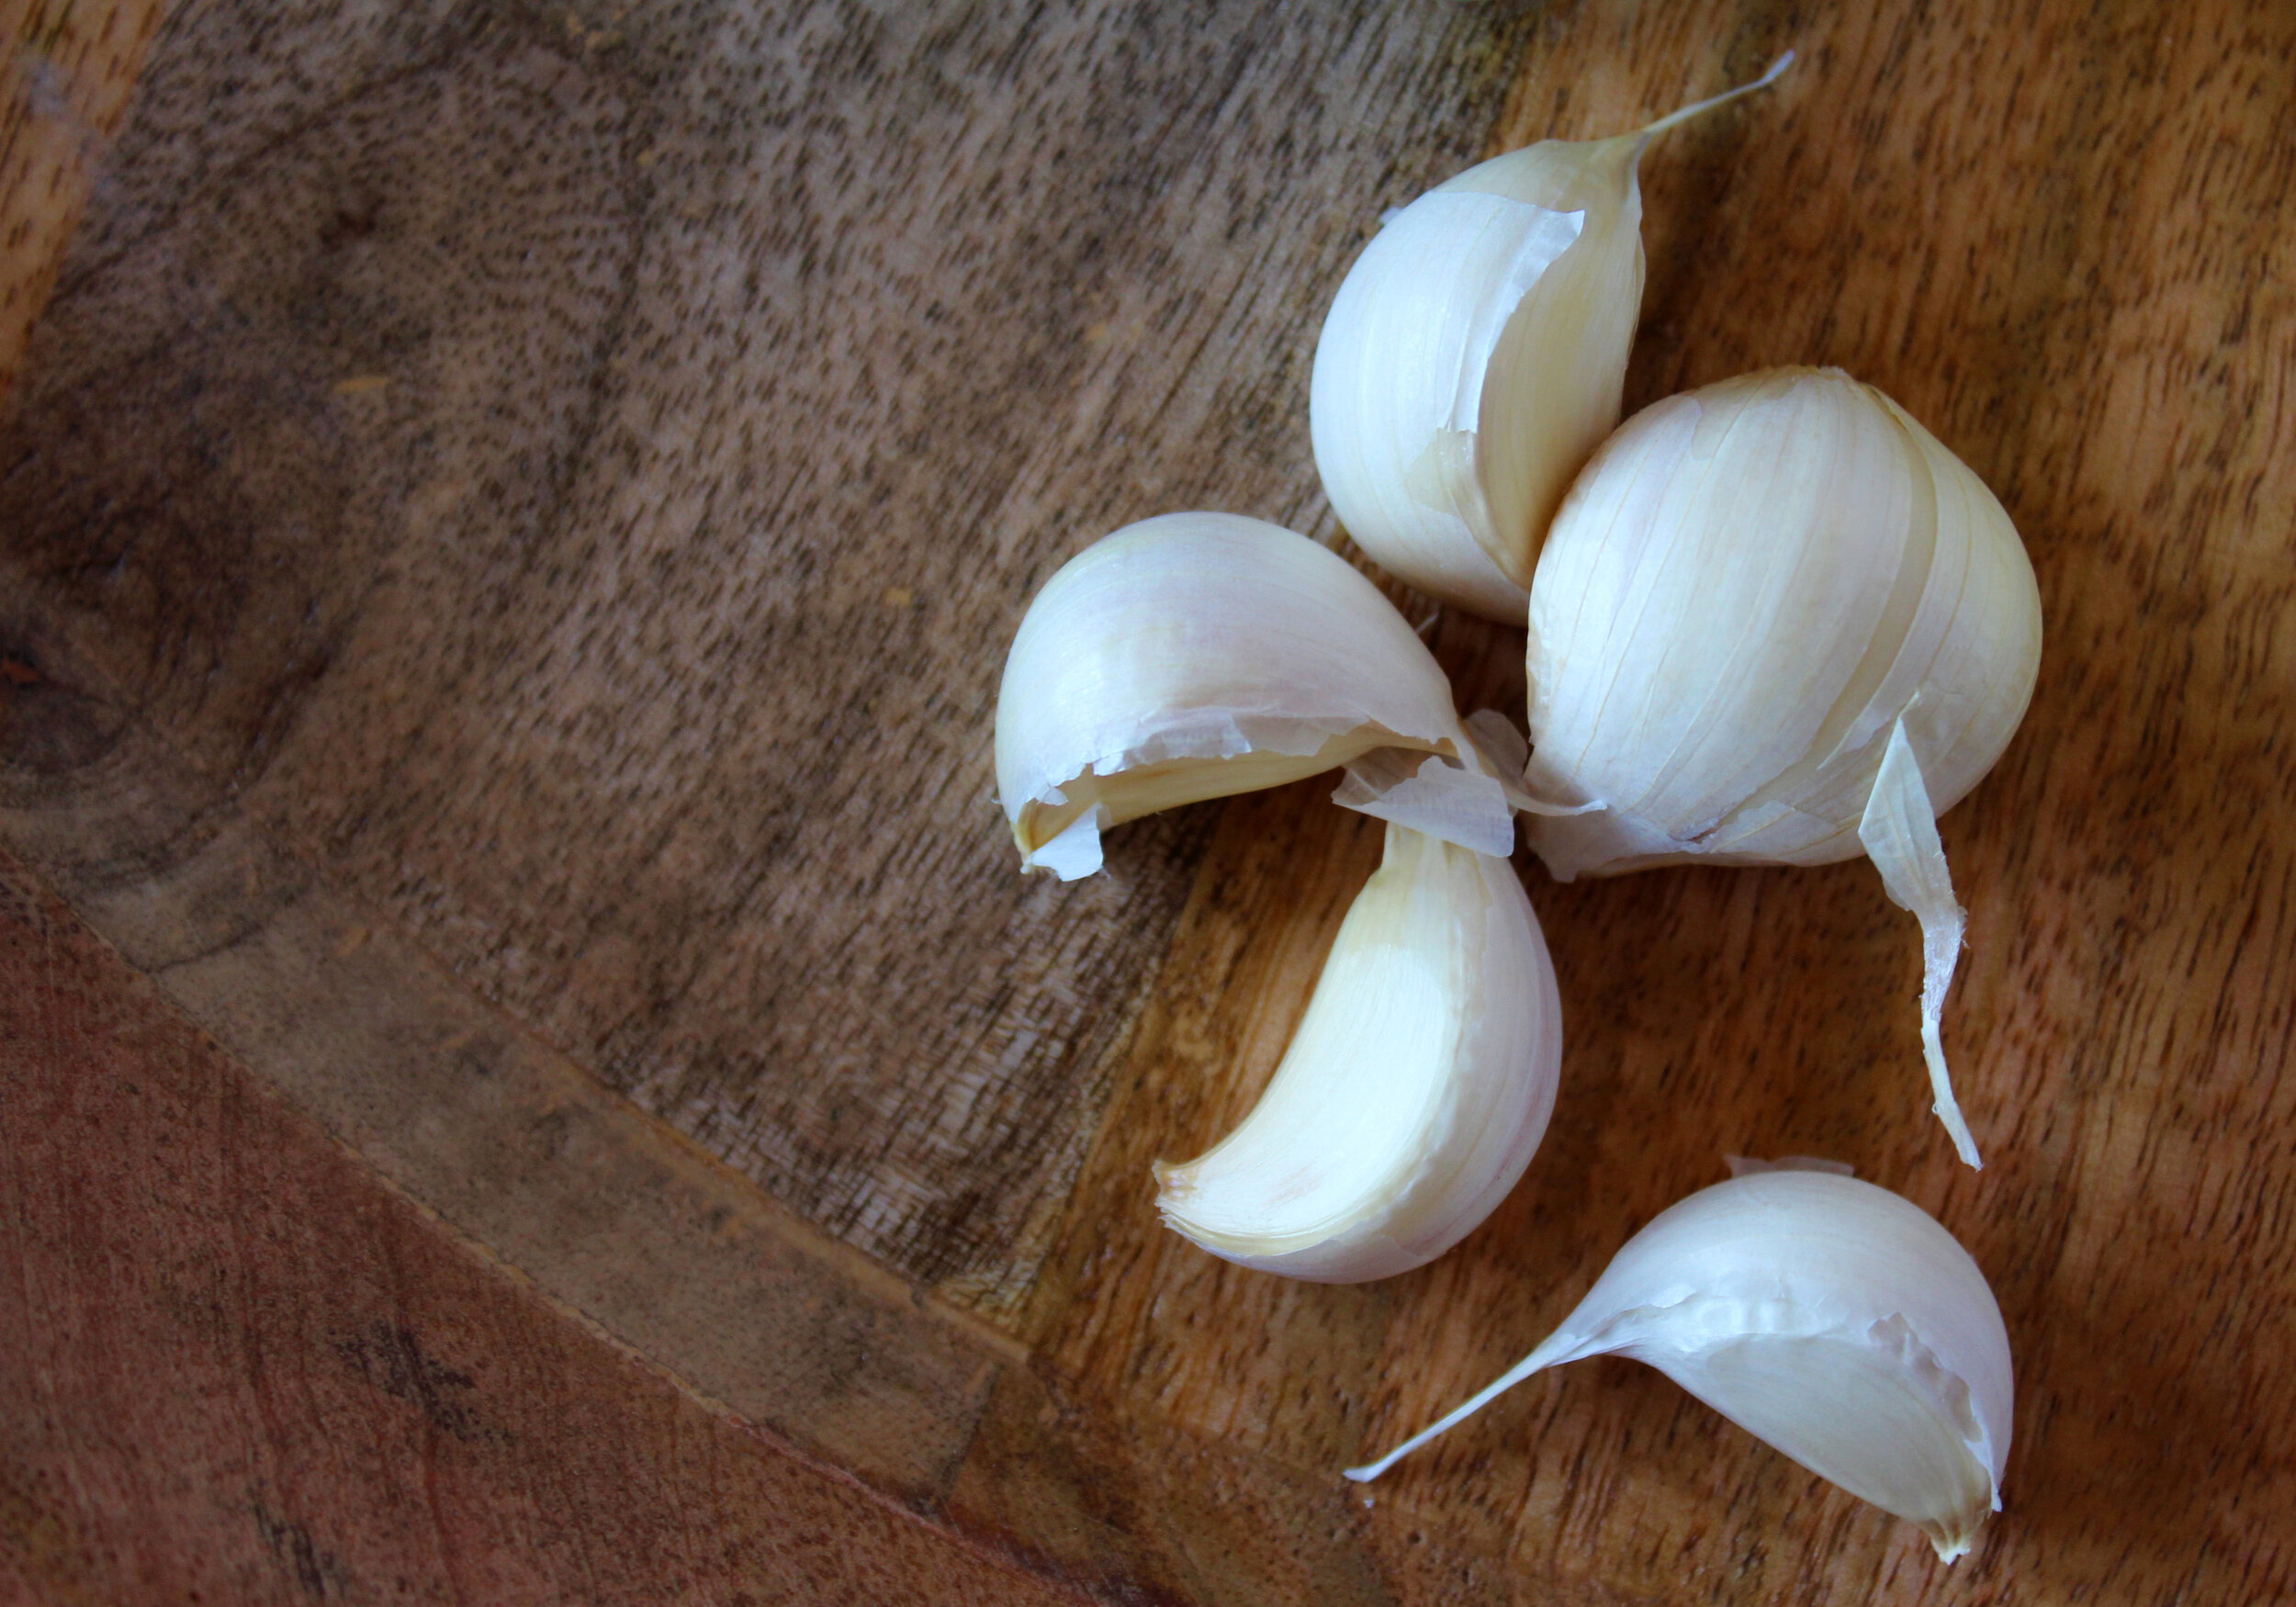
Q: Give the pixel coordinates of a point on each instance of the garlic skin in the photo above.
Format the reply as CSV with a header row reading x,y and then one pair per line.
x,y
1746,590
1754,592
1831,1320
1412,1094
1196,656
1474,357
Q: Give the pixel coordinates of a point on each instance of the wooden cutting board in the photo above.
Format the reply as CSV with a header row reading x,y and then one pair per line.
x,y
509,524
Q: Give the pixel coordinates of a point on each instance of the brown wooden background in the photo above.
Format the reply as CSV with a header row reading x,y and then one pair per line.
x,y
528,1071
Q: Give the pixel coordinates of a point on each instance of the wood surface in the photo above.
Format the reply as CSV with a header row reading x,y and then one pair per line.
x,y
351,1405
508,530
66,71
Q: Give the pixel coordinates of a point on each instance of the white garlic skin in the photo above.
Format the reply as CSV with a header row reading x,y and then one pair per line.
x,y
1475,355
1414,1092
1746,589
1196,656
1830,1318
1737,1289
1473,359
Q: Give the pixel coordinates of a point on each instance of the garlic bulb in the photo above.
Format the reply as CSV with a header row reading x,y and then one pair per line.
x,y
1412,1095
1776,622
1473,358
1827,1318
1200,655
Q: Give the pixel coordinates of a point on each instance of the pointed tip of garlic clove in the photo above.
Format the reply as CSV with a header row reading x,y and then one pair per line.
x,y
1196,656
1775,70
1413,1093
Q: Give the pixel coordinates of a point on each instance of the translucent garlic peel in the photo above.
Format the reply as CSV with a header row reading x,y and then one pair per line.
x,y
1754,594
1832,1320
1462,805
1900,833
1198,655
1474,357
1414,1092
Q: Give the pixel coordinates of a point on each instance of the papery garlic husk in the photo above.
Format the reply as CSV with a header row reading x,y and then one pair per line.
x,y
1829,1319
1196,656
1777,622
1412,1094
1474,357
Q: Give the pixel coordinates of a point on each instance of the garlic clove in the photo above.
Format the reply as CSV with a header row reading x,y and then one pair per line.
x,y
1748,589
1395,399
1196,656
1474,357
1414,1092
1834,1320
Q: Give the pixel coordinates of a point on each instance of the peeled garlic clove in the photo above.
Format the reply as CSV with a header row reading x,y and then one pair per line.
x,y
1829,1319
1474,357
1202,655
1750,589
1412,1094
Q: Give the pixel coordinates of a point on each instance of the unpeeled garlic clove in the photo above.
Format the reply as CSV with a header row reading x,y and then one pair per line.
x,y
1412,1094
1829,1319
1474,357
1755,595
1196,656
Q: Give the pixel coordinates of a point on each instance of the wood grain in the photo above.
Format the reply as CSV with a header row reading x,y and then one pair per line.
x,y
66,70
660,521
550,489
239,1368
634,1244
618,1217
